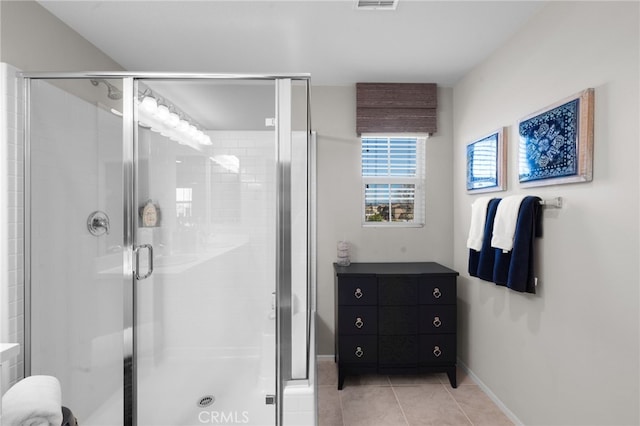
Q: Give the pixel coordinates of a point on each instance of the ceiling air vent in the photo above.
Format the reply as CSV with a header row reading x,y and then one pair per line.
x,y
376,4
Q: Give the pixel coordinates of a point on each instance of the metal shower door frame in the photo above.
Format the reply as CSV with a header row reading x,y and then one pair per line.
x,y
283,83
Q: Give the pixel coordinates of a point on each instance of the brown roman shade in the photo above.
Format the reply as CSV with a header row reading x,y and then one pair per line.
x,y
396,107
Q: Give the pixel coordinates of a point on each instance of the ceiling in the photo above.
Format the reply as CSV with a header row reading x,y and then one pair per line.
x,y
421,41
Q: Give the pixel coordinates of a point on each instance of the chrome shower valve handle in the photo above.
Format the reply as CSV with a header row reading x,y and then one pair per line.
x,y
98,223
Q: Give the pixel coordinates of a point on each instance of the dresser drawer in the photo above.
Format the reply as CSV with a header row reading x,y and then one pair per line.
x,y
358,320
360,349
437,290
398,350
397,290
398,320
357,291
437,349
437,319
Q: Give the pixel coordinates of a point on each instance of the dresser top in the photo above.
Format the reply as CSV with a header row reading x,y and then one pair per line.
x,y
410,268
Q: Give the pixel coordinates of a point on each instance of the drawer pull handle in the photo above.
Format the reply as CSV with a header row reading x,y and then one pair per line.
x,y
437,322
359,322
436,351
437,293
358,294
359,352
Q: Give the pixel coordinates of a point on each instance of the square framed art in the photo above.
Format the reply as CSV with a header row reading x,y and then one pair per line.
x,y
556,143
487,162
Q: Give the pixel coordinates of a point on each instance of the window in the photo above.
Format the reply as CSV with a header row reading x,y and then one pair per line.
x,y
393,180
184,202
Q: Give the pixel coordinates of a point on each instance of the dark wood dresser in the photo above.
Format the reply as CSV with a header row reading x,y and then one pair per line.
x,y
395,318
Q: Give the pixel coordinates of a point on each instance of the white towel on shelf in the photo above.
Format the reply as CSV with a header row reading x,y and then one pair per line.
x,y
33,401
504,225
478,220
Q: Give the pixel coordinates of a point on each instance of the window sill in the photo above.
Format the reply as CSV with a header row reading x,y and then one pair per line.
x,y
392,225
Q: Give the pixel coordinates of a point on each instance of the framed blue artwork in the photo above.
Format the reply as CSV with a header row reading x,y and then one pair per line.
x,y
486,163
556,143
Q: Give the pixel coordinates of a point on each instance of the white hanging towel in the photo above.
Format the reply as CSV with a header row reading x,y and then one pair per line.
x,y
504,226
478,220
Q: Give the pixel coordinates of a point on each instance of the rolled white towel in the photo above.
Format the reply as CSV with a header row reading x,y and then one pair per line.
x,y
33,401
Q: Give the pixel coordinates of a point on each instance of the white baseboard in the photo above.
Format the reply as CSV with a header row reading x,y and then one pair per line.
x,y
490,394
325,357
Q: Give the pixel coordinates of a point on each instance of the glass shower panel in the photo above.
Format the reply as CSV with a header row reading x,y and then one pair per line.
x,y
207,206
301,259
74,235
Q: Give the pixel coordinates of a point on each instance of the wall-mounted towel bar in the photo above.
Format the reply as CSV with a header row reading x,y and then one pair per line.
x,y
552,202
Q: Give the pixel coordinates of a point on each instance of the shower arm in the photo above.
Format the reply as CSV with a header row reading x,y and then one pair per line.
x,y
112,91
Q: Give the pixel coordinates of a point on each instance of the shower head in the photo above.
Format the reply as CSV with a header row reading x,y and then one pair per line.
x,y
113,92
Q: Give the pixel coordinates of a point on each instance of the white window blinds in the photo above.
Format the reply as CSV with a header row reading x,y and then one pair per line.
x,y
393,180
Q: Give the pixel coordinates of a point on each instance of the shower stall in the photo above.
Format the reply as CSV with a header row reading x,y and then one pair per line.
x,y
169,246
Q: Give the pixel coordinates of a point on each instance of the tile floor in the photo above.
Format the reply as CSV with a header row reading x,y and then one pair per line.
x,y
402,400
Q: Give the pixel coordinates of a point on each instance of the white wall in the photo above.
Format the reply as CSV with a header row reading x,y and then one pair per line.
x,y
333,112
32,39
568,355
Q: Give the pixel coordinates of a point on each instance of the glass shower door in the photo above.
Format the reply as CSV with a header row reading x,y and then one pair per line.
x,y
205,237
73,243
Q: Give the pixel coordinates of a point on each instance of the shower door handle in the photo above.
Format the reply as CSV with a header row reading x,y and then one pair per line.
x,y
136,250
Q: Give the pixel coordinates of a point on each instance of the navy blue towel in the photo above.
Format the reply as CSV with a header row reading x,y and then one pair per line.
x,y
484,259
474,257
513,269
501,267
528,227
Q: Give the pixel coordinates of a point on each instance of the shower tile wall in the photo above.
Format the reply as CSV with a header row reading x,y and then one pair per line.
x,y
12,285
230,222
237,219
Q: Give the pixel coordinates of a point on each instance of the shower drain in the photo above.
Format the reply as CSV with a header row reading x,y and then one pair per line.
x,y
206,401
